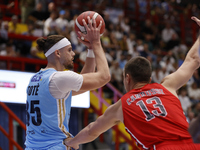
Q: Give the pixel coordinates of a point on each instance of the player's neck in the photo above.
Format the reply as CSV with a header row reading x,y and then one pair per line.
x,y
138,85
57,67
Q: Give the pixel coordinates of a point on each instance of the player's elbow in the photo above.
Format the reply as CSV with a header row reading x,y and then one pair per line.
x,y
106,77
195,60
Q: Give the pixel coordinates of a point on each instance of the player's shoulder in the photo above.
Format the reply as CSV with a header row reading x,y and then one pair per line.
x,y
66,72
66,75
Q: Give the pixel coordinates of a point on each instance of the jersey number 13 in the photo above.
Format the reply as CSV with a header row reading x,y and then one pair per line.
x,y
158,104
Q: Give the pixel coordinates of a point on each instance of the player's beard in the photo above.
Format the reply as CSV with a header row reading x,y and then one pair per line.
x,y
69,66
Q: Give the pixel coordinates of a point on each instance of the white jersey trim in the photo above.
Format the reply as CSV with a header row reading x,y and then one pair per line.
x,y
143,146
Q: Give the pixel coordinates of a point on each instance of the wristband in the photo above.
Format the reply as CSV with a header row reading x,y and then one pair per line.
x,y
90,53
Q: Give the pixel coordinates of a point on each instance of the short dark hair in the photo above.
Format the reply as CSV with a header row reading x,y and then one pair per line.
x,y
139,68
44,44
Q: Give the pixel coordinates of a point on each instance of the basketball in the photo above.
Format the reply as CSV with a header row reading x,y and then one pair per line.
x,y
78,26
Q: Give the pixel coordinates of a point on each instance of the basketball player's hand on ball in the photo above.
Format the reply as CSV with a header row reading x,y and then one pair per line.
x,y
196,20
86,43
93,32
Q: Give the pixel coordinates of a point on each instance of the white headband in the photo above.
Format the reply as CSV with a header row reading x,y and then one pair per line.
x,y
60,44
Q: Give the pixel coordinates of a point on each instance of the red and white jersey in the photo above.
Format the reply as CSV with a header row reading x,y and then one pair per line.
x,y
152,114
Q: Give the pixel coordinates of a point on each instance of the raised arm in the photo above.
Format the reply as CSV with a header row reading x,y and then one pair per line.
x,y
112,116
180,77
88,67
102,75
90,64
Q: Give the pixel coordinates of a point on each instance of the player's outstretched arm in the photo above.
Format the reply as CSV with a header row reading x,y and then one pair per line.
x,y
177,79
112,116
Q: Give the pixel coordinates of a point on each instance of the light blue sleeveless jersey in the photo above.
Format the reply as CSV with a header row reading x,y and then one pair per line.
x,y
47,117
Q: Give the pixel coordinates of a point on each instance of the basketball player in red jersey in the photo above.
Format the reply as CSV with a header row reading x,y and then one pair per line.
x,y
152,113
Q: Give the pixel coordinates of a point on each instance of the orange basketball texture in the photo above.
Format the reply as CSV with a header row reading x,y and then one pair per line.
x,y
78,26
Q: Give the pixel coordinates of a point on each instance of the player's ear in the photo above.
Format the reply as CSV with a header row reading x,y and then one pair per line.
x,y
57,53
150,80
128,78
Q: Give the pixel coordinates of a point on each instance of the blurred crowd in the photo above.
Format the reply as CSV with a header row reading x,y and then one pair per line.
x,y
160,43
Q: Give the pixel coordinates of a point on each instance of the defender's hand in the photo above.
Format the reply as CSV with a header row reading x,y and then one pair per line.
x,y
68,144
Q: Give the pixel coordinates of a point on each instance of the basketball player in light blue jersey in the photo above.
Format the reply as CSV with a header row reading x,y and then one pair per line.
x,y
50,90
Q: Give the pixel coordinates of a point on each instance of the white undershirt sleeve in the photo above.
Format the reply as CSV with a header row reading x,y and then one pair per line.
x,y
62,82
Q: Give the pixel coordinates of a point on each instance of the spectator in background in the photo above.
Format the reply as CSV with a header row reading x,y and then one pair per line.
x,y
173,42
27,44
83,55
16,28
51,8
50,25
118,32
105,39
78,49
194,92
3,32
145,53
123,44
107,21
34,53
148,40
181,48
157,74
71,31
9,50
170,56
72,22
113,41
131,42
181,58
67,15
184,99
196,78
110,56
61,21
167,32
38,16
116,75
26,7
73,37
168,65
122,61
139,45
190,114
114,13
196,109
13,25
135,53
147,28
125,24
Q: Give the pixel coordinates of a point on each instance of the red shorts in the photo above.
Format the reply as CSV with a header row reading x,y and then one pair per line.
x,y
187,144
